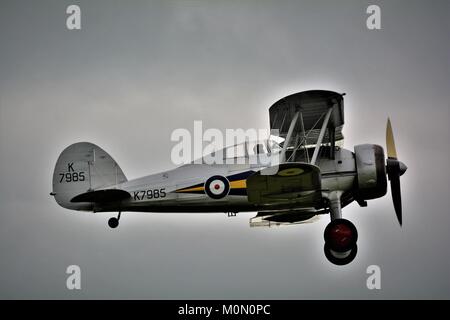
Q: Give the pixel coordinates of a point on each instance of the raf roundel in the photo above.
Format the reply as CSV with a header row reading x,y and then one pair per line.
x,y
217,187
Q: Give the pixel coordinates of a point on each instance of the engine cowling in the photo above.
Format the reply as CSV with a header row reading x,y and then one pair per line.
x,y
371,171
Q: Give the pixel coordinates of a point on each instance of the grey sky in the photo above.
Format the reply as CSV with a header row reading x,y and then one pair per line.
x,y
137,71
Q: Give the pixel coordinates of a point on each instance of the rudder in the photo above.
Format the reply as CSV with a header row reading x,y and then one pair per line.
x,y
83,167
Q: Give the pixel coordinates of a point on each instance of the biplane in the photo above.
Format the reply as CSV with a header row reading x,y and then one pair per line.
x,y
313,175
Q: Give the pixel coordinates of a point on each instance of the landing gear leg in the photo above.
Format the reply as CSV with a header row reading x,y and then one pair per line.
x,y
340,234
114,222
335,205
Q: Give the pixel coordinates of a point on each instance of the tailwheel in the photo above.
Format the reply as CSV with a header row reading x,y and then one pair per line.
x,y
114,222
340,241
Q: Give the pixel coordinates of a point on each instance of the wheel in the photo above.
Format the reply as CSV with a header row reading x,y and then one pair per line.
x,y
340,235
340,258
113,222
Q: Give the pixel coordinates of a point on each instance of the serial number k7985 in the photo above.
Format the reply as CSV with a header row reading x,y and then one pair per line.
x,y
149,194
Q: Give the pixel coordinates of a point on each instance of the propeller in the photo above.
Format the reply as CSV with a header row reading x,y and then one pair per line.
x,y
394,168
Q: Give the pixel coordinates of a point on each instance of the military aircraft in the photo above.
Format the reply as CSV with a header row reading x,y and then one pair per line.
x,y
313,176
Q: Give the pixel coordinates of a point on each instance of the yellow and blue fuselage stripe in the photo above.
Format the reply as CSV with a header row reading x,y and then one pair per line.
x,y
238,185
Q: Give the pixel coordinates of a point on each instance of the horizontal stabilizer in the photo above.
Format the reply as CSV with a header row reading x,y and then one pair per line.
x,y
110,195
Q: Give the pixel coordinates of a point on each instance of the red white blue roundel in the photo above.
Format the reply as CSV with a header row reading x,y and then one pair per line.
x,y
217,187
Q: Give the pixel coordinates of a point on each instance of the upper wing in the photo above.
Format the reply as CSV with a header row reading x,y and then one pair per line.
x,y
312,106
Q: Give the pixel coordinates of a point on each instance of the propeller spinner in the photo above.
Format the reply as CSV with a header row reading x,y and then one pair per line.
x,y
395,168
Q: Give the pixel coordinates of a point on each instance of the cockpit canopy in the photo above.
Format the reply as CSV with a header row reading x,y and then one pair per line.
x,y
252,148
245,150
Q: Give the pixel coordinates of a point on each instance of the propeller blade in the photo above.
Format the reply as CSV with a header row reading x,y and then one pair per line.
x,y
394,168
397,197
390,144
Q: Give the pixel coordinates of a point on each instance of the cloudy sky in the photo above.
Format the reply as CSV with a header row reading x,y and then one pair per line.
x,y
138,70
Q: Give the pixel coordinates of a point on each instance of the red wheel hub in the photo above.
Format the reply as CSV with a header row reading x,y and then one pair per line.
x,y
340,236
216,186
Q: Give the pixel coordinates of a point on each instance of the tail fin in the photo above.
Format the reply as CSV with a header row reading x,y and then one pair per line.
x,y
83,167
